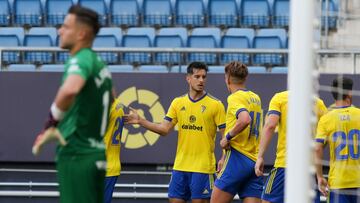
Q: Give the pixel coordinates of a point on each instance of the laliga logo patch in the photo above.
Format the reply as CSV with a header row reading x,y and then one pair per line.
x,y
149,106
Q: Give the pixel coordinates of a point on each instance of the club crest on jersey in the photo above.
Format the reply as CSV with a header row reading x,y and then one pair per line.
x,y
203,108
192,119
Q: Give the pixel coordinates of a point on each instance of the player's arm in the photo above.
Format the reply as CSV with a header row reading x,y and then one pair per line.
x,y
271,122
68,91
322,183
222,159
162,128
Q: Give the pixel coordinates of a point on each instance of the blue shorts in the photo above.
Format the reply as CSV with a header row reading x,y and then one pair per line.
x,y
344,195
109,187
190,185
238,176
274,187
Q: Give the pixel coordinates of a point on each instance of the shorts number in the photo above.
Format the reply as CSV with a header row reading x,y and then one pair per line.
x,y
351,140
255,124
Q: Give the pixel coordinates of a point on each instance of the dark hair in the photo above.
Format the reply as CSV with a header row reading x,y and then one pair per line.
x,y
196,65
341,86
237,71
86,16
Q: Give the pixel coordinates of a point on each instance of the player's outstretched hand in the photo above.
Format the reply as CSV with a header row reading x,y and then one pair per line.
x,y
224,143
323,186
133,117
50,134
259,166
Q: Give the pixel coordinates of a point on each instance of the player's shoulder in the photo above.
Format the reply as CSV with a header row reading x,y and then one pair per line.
x,y
180,98
213,98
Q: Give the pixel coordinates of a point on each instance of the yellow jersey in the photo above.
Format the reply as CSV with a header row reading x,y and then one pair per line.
x,y
197,122
246,142
112,139
340,128
279,106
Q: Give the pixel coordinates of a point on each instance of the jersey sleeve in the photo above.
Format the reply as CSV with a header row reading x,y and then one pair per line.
x,y
321,132
236,106
321,108
220,116
80,66
171,114
275,106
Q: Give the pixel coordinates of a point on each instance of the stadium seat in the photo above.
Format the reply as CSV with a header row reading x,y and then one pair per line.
x,y
281,33
255,13
153,69
116,31
281,12
61,57
178,69
38,41
204,38
170,38
55,11
333,14
51,31
18,31
27,13
121,68
107,41
216,69
279,69
4,13
157,13
190,13
267,42
223,13
136,41
240,38
257,69
124,13
99,6
52,68
148,31
10,41
22,67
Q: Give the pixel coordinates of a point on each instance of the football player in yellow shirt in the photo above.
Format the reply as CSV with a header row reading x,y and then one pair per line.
x,y
198,116
243,127
112,147
277,116
340,129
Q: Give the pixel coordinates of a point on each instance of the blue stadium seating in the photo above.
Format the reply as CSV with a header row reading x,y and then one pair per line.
x,y
4,13
190,13
98,6
240,38
38,41
223,13
22,67
136,41
18,31
107,41
121,68
51,31
279,70
281,33
255,13
281,12
204,38
61,57
124,13
257,69
10,40
52,68
153,69
178,69
149,31
180,31
116,31
267,42
55,11
205,31
157,13
216,69
170,38
27,13
332,11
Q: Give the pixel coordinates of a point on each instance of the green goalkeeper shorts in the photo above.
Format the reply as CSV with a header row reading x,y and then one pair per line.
x,y
81,178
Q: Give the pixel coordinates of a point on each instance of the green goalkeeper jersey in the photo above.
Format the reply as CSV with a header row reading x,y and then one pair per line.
x,y
85,123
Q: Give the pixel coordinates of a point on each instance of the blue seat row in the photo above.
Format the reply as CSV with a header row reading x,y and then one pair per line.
x,y
193,13
141,69
237,38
